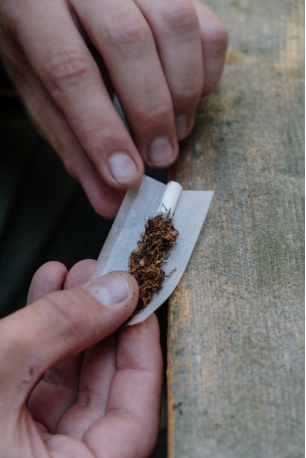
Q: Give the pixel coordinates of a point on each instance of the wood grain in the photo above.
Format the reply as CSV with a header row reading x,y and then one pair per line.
x,y
235,337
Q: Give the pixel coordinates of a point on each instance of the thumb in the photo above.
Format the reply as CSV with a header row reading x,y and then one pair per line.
x,y
60,325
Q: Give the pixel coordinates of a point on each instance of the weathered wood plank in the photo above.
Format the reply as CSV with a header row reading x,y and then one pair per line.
x,y
235,365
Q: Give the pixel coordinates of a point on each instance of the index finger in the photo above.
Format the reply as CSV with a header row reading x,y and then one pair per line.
x,y
64,64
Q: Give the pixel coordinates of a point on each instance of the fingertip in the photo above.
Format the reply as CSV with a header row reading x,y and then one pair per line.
x,y
79,273
139,347
48,278
148,329
133,286
184,126
105,200
162,153
125,172
152,329
116,288
151,323
132,282
105,209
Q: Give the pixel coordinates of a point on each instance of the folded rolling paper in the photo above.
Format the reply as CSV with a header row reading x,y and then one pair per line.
x,y
139,204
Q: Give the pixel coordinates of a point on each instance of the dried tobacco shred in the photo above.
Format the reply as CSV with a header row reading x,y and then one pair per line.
x,y
147,260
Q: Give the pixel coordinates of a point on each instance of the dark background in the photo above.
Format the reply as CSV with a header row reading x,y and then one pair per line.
x,y
44,214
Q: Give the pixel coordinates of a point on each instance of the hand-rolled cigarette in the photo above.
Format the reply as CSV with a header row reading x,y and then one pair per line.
x,y
170,199
139,204
152,251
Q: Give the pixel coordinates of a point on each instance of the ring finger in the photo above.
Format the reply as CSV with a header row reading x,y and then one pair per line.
x,y
176,31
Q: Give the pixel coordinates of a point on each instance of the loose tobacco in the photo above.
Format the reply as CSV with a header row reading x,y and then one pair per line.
x,y
147,260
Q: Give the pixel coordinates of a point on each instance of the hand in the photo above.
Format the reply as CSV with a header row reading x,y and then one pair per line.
x,y
102,402
67,58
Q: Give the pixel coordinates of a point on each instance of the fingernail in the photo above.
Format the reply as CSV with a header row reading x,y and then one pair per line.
x,y
122,168
181,126
111,289
161,152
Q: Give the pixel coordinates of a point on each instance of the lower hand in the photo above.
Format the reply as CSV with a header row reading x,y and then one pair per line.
x,y
69,386
67,58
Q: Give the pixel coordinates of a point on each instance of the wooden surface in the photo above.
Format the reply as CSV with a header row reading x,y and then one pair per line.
x,y
235,365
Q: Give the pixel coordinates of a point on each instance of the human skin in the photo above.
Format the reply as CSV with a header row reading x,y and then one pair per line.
x,y
67,58
70,386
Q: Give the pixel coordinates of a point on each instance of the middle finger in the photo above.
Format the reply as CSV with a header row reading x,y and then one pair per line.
x,y
122,35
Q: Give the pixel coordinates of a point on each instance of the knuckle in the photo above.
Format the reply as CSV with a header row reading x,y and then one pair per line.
x,y
186,94
67,312
149,115
66,67
181,18
100,137
130,32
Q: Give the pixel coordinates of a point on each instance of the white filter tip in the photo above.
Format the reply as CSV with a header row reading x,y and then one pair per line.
x,y
170,199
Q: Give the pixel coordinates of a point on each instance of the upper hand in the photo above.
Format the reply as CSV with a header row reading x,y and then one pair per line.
x,y
58,400
67,58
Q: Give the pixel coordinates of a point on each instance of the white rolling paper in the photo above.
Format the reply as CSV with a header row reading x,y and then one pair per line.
x,y
139,204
